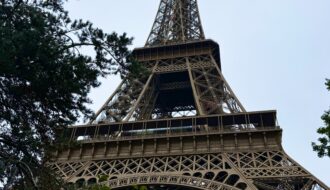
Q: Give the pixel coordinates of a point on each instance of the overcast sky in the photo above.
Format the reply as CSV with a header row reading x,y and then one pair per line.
x,y
275,55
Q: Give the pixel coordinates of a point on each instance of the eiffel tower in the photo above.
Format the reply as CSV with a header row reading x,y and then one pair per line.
x,y
180,127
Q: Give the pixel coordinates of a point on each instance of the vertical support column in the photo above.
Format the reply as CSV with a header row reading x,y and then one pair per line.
x,y
108,101
228,87
146,86
196,97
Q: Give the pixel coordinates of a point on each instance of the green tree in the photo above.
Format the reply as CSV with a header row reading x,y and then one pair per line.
x,y
323,148
44,82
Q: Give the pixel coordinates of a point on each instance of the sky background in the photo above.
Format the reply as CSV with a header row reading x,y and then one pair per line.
x,y
275,55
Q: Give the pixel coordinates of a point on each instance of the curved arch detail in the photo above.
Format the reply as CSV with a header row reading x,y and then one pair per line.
x,y
187,181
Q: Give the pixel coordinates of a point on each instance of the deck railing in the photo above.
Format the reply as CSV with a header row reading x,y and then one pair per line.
x,y
198,125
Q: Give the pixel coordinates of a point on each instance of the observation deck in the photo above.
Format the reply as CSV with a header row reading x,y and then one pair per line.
x,y
171,136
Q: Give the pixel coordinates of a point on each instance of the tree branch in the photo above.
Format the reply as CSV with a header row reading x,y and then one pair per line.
x,y
25,169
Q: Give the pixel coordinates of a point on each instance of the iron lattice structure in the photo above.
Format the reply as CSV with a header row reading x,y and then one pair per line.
x,y
177,21
182,125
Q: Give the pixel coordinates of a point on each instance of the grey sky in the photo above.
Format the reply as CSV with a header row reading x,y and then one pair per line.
x,y
275,55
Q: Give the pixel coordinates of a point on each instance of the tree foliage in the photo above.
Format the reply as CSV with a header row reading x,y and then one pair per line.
x,y
323,148
44,82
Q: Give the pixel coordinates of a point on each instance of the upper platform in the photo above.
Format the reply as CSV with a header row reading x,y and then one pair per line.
x,y
184,49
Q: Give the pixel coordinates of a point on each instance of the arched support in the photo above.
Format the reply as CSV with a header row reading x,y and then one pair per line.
x,y
176,180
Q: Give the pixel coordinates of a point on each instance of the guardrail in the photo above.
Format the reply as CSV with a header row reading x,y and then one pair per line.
x,y
198,125
177,134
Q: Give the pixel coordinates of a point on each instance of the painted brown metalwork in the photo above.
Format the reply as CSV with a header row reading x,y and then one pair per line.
x,y
182,125
177,21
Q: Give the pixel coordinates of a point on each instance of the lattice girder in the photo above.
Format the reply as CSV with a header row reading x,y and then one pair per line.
x,y
177,21
186,181
213,94
216,169
120,102
270,170
138,99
